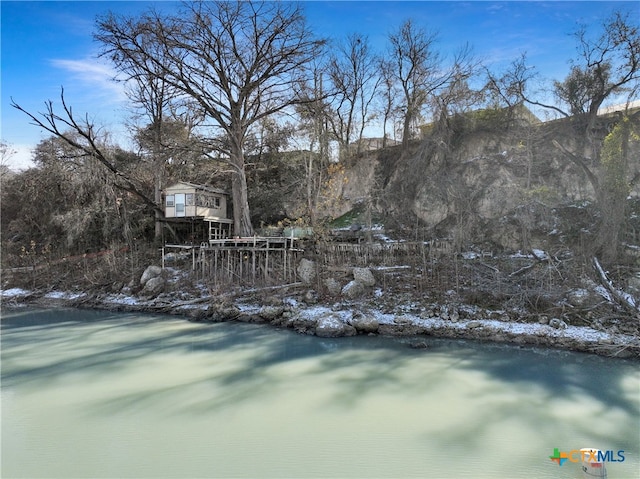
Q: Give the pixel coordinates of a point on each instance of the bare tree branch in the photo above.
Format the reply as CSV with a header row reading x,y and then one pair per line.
x,y
54,124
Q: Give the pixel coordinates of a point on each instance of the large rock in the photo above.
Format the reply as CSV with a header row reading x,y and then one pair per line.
x,y
153,287
223,312
364,276
557,323
353,289
300,322
333,286
307,271
332,326
364,323
634,284
271,312
582,298
310,297
149,273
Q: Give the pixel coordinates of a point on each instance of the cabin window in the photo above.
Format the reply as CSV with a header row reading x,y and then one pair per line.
x,y
216,202
170,201
189,199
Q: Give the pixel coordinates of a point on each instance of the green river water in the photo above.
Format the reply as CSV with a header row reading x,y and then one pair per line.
x,y
112,395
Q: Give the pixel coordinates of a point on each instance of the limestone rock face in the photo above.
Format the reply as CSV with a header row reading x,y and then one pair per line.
x,y
307,271
364,276
332,326
149,273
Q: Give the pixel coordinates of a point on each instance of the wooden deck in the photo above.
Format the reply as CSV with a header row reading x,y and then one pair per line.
x,y
244,259
262,243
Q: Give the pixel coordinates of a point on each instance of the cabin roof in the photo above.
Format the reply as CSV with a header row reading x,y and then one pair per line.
x,y
186,184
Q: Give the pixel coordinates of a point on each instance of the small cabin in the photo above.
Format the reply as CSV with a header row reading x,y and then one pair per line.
x,y
189,201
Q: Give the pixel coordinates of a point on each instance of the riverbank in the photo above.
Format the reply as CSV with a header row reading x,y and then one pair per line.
x,y
291,306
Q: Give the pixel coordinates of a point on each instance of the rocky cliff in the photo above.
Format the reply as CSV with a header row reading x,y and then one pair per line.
x,y
508,185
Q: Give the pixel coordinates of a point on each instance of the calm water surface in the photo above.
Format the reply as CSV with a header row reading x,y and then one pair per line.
x,y
94,394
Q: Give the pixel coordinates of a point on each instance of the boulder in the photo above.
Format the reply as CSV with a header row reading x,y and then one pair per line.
x,y
634,284
353,289
332,326
153,287
333,286
310,297
307,271
364,276
149,273
298,321
223,312
557,323
364,323
271,312
582,298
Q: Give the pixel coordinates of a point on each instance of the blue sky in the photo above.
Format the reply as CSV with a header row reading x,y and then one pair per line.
x,y
48,45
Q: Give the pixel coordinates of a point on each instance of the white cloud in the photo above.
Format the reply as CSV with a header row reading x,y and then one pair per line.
x,y
96,74
20,159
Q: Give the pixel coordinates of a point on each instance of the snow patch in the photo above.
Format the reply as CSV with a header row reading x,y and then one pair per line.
x,y
64,295
122,299
14,292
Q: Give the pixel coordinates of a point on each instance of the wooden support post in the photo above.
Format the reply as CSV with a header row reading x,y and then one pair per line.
x,y
284,264
215,266
253,266
203,261
266,265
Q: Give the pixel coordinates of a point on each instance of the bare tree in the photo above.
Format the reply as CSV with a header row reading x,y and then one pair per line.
x,y
314,116
354,77
238,60
6,152
87,139
417,69
607,68
456,96
152,98
388,98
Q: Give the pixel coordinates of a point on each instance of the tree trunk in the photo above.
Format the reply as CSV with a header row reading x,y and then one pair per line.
x,y
406,130
241,216
241,219
384,129
158,199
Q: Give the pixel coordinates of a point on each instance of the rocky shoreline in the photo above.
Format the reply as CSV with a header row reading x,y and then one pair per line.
x,y
295,307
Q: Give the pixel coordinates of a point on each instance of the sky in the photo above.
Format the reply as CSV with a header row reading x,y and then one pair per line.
x,y
49,45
